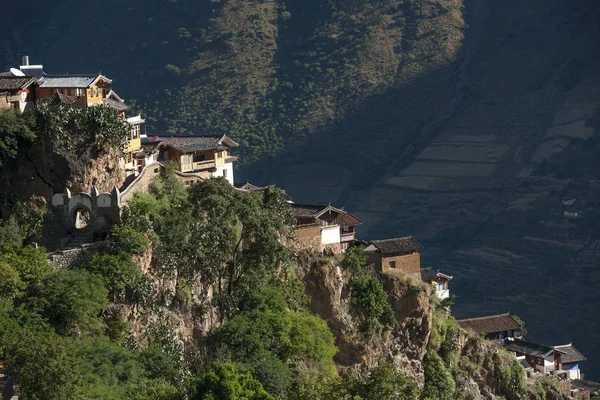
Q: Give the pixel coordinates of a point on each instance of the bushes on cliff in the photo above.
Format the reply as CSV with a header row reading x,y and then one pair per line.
x,y
226,381
368,293
89,128
72,302
439,383
16,131
120,274
272,341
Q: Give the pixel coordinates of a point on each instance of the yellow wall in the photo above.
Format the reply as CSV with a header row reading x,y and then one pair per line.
x,y
95,94
134,145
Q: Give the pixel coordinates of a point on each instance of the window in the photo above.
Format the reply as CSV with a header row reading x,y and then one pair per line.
x,y
156,170
224,173
346,229
392,264
219,154
198,157
324,223
95,92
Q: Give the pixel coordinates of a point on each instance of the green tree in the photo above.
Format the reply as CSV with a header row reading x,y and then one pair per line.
x,y
154,389
385,383
130,240
119,273
11,285
225,382
90,128
439,383
16,130
73,300
43,367
269,339
237,237
106,369
369,294
30,263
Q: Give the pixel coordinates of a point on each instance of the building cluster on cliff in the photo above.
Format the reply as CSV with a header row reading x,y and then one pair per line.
x,y
324,229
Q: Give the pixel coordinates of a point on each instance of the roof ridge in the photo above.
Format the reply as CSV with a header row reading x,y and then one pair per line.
x,y
71,75
486,316
536,343
398,238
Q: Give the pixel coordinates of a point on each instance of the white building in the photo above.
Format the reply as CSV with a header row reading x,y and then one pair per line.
x,y
438,281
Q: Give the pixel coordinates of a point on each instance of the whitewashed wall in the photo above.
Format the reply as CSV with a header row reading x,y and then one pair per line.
x,y
229,168
330,234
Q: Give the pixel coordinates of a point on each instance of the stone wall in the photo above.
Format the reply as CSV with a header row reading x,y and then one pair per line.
x,y
142,182
76,258
309,237
408,264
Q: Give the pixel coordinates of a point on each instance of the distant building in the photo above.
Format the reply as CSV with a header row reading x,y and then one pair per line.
x,y
494,327
541,358
395,255
17,92
570,359
199,157
324,227
132,145
438,281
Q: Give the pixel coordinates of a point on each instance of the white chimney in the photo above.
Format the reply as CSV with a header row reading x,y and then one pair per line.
x,y
31,70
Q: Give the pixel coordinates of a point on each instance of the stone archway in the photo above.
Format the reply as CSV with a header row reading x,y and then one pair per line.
x,y
81,217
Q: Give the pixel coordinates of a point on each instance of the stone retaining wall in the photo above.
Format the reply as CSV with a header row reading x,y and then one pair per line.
x,y
76,258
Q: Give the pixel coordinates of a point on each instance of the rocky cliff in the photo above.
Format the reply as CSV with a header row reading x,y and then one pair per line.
x,y
45,168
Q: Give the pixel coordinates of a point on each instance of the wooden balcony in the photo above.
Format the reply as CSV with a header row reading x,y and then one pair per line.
x,y
347,237
198,166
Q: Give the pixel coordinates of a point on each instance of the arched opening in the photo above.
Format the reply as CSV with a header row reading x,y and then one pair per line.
x,y
81,218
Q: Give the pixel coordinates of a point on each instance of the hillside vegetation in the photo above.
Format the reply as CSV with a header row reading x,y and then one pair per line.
x,y
196,297
265,72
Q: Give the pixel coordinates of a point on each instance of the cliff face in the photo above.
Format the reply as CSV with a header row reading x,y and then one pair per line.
x,y
45,169
328,288
480,369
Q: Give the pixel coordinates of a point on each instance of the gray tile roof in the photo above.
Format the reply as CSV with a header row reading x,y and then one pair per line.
x,y
428,275
116,104
398,245
529,348
571,354
305,210
70,81
490,324
195,143
16,82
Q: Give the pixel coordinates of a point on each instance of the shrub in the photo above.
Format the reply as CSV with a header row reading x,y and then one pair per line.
x,y
129,240
73,300
119,273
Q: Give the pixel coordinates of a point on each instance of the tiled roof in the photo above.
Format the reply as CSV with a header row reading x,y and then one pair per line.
x,y
490,324
116,104
195,143
16,82
398,245
305,210
70,81
347,219
530,348
571,354
428,275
